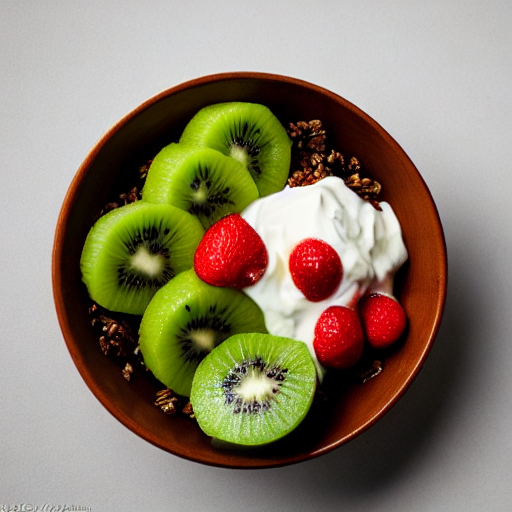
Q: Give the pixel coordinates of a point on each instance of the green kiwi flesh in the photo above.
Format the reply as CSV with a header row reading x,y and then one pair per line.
x,y
133,250
253,389
188,318
201,181
247,132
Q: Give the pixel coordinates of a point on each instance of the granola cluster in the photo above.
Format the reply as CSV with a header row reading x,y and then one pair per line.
x,y
367,372
124,198
128,197
311,162
116,340
170,403
117,337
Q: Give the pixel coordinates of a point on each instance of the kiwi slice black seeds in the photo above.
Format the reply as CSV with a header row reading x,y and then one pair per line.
x,y
201,181
247,369
206,197
151,241
248,133
186,320
253,388
213,325
243,140
129,277
151,238
133,250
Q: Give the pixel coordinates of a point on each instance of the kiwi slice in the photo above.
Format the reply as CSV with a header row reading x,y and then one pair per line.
x,y
254,388
133,250
188,318
201,181
247,132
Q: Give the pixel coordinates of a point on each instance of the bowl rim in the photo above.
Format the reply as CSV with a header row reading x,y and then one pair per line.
x,y
57,258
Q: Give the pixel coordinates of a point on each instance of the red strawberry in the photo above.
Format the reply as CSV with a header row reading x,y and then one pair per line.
x,y
339,339
231,254
315,268
383,319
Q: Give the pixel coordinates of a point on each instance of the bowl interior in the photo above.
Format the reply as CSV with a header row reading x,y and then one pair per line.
x,y
112,168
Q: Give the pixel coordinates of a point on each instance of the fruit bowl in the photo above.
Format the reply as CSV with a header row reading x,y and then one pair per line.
x,y
349,406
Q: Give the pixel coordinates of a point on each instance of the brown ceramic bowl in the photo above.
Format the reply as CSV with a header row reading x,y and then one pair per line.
x,y
111,168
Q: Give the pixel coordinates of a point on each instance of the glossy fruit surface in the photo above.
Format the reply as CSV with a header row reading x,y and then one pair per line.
x,y
339,339
249,133
186,319
315,268
253,388
231,254
383,318
201,181
134,250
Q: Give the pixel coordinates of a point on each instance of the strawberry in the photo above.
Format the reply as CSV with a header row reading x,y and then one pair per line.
x,y
315,268
231,254
383,319
339,339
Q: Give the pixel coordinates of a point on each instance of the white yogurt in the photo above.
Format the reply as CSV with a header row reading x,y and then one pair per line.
x,y
369,243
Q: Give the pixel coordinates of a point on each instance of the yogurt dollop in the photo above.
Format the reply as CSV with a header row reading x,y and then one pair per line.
x,y
369,243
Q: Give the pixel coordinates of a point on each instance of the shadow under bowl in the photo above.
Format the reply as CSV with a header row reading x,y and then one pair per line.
x,y
112,167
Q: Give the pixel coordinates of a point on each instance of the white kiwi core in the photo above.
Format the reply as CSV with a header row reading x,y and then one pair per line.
x,y
201,194
239,153
255,386
146,262
203,339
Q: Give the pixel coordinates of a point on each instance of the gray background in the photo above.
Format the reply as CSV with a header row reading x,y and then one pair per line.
x,y
437,75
